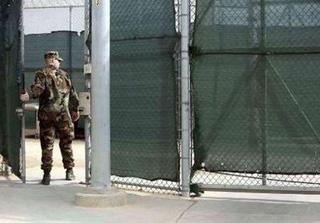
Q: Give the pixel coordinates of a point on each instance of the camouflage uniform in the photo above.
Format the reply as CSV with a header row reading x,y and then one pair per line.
x,y
57,99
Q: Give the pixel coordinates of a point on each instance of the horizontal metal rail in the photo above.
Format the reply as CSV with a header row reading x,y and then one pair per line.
x,y
260,189
177,189
55,7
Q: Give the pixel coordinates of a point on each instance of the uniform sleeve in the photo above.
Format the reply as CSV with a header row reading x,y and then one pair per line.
x,y
73,96
73,100
38,86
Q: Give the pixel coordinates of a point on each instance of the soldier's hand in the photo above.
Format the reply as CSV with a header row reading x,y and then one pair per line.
x,y
75,116
24,97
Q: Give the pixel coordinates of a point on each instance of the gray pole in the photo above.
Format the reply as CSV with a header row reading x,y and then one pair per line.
x,y
263,65
185,97
100,94
23,145
87,118
70,41
101,193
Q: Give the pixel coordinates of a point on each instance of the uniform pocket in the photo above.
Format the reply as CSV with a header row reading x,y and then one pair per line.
x,y
43,116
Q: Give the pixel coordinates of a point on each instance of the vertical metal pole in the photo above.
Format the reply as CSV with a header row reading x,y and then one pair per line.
x,y
290,9
87,30
263,25
23,145
100,94
87,120
23,150
185,98
70,41
87,149
262,48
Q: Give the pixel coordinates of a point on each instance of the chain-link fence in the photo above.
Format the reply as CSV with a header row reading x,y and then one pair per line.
x,y
143,95
255,74
255,80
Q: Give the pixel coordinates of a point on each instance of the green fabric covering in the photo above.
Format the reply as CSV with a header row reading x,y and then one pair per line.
x,y
255,73
10,69
143,96
142,19
143,129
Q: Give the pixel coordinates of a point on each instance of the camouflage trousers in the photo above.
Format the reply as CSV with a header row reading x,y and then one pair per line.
x,y
52,124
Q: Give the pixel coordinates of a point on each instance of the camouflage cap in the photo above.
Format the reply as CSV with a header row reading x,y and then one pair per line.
x,y
54,54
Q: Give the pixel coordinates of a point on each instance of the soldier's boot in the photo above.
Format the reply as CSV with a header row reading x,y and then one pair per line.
x,y
46,178
70,175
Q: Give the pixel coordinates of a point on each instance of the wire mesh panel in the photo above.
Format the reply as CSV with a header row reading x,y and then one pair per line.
x,y
10,71
143,96
255,74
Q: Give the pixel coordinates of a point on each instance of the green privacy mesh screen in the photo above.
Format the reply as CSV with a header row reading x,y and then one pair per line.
x,y
143,109
256,82
10,69
143,129
142,19
257,26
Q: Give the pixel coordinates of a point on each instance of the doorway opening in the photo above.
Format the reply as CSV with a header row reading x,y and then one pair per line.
x,y
62,31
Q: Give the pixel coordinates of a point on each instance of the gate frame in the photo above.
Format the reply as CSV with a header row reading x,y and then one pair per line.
x,y
198,188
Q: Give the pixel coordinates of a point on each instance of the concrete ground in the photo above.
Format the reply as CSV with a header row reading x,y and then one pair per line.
x,y
36,203
33,161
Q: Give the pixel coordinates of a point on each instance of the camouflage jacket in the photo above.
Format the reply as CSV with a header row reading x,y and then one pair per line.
x,y
55,92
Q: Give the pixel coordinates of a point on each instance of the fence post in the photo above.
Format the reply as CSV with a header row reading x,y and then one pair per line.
x,y
185,98
100,194
22,87
87,75
263,62
70,41
100,94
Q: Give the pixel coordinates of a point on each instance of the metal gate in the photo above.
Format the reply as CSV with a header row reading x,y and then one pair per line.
x,y
11,60
255,77
255,66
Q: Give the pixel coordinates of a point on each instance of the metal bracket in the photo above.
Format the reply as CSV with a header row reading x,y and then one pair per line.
x,y
84,103
33,107
20,114
87,68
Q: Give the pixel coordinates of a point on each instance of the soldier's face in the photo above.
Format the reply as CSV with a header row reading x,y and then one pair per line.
x,y
52,62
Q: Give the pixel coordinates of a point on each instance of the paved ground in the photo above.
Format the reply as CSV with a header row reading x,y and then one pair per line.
x,y
32,202
33,155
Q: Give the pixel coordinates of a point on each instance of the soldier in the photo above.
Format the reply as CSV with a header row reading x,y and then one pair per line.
x,y
58,109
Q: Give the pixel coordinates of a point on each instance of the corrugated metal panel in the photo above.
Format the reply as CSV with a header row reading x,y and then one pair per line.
x,y
52,3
